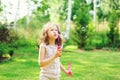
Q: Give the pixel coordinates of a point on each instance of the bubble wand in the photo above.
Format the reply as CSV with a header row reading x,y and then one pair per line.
x,y
58,47
69,64
59,39
69,69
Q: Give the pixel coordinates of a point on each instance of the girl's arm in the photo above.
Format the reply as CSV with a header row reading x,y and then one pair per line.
x,y
63,69
69,73
42,60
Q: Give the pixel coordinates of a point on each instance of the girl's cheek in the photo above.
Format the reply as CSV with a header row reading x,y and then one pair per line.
x,y
49,34
57,32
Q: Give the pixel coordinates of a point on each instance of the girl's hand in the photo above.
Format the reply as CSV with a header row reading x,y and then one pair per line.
x,y
69,73
58,53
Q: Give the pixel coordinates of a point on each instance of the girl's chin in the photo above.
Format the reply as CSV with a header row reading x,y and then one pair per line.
x,y
55,37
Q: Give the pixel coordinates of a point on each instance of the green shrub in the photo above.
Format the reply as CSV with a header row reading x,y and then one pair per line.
x,y
113,34
4,48
97,40
100,40
21,42
81,16
4,33
90,36
7,36
89,47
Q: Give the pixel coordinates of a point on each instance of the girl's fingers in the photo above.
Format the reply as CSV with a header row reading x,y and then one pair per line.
x,y
59,53
60,48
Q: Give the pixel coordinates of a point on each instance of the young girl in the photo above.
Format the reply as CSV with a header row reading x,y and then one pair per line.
x,y
49,54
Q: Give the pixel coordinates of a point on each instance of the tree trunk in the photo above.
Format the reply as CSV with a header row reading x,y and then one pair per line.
x,y
68,19
16,15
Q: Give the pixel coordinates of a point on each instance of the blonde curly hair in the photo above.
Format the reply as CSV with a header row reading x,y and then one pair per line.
x,y
44,35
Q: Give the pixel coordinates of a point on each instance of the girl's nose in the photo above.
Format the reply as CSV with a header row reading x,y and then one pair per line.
x,y
55,31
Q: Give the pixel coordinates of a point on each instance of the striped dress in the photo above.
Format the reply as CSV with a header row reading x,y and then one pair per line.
x,y
52,70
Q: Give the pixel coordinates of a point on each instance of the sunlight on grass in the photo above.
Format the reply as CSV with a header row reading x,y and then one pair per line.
x,y
20,60
71,47
85,65
92,65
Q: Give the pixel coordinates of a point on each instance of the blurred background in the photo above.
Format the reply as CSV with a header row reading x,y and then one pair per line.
x,y
85,25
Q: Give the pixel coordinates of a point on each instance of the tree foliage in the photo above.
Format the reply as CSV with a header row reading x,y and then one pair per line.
x,y
81,16
110,10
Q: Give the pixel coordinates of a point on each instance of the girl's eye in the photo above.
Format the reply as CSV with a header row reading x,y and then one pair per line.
x,y
56,30
51,30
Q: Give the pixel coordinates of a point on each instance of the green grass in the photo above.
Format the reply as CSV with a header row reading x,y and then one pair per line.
x,y
86,65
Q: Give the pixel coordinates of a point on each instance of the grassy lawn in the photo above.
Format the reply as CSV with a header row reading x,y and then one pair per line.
x,y
86,65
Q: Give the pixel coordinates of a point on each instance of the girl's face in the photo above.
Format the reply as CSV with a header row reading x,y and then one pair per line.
x,y
53,32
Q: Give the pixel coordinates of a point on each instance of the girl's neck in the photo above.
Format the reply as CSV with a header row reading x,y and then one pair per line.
x,y
52,42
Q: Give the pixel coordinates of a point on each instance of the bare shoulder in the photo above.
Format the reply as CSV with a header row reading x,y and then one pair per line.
x,y
42,47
